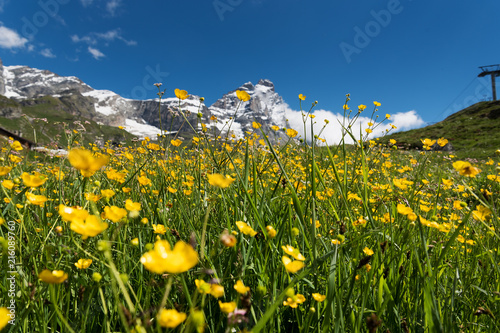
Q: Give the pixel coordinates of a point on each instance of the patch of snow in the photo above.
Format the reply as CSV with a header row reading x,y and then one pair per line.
x,y
141,130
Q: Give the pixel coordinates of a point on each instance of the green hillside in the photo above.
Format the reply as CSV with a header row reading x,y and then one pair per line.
x,y
472,132
50,121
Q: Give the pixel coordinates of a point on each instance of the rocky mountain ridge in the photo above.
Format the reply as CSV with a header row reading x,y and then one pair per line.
x,y
140,117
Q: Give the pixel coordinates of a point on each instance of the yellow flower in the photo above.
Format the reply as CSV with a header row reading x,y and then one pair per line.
x,y
291,251
8,184
392,141
291,132
37,200
16,145
170,318
368,251
368,130
70,214
242,95
143,180
227,307
181,94
132,206
202,286
318,297
83,263
53,277
15,159
34,180
84,161
387,116
256,125
302,97
135,242
217,290
245,228
114,213
241,288
4,170
377,104
159,229
219,180
292,266
4,317
92,226
294,300
162,259
171,189
442,142
481,213
361,107
466,169
92,197
271,232
404,210
428,143
275,128
176,142
107,193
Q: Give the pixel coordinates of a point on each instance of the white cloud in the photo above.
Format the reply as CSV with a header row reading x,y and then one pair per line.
x,y
112,6
96,53
333,131
407,120
47,53
2,4
10,39
108,36
86,3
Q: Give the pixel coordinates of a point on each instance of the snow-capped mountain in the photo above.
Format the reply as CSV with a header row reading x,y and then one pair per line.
x,y
140,117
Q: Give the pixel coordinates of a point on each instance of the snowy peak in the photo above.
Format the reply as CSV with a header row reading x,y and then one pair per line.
x,y
24,82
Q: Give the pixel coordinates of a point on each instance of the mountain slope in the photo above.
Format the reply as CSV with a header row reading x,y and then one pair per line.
x,y
471,132
141,117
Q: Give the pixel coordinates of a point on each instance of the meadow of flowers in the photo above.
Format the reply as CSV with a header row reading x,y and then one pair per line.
x,y
221,234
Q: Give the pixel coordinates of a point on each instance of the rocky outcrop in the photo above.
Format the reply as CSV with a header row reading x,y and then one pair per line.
x,y
2,83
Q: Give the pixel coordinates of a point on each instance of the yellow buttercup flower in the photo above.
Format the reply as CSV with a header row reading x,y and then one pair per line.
x,y
291,132
170,318
217,290
159,229
107,193
92,226
4,317
181,94
318,297
245,228
132,206
219,180
176,142
442,142
83,263
302,97
70,214
271,232
53,277
114,213
294,300
291,251
227,307
377,104
242,95
34,180
292,266
368,251
87,163
16,145
466,169
38,200
8,184
4,170
161,259
256,125
241,288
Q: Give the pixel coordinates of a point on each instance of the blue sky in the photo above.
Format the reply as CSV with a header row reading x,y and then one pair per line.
x,y
410,55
